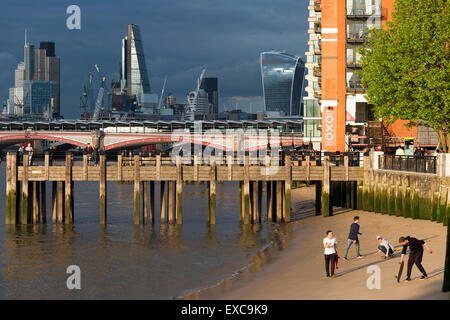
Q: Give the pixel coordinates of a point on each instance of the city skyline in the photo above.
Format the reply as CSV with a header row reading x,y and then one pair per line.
x,y
212,41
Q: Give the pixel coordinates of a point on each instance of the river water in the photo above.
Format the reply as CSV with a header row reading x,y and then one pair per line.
x,y
124,261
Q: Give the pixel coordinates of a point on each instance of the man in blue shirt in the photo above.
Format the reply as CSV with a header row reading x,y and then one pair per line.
x,y
353,238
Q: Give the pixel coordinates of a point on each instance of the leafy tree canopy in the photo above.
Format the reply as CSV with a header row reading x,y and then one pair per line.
x,y
405,66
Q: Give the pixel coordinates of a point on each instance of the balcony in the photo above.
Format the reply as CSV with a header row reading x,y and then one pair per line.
x,y
352,63
357,37
317,72
317,27
317,6
355,87
362,13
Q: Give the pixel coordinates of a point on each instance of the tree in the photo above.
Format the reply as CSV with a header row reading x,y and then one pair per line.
x,y
405,66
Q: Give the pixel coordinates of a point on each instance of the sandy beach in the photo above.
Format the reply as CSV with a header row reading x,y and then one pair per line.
x,y
299,273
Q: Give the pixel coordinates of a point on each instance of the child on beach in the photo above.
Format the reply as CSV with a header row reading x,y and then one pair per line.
x,y
385,247
330,245
415,255
353,238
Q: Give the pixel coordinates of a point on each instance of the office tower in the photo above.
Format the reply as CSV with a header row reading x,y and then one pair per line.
x,y
39,97
49,48
15,100
337,29
210,85
47,68
28,56
134,71
282,79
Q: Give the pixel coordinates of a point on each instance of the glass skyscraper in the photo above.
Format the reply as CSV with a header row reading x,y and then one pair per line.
x,y
133,63
39,96
282,79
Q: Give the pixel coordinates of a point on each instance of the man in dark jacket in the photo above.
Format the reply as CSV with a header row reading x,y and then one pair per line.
x,y
353,238
415,254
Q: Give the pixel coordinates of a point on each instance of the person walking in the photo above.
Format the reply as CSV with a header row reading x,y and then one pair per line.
x,y
415,255
330,245
353,238
385,247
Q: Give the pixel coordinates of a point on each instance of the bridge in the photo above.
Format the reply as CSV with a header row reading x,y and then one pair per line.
x,y
108,136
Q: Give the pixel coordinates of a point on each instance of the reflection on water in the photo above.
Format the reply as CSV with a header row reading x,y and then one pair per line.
x,y
121,260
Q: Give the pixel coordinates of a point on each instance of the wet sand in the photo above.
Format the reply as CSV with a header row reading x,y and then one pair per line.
x,y
299,272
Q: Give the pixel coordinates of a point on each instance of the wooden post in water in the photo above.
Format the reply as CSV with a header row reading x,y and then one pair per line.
x,y
43,202
279,201
326,205
259,212
170,202
11,188
54,201
179,193
212,189
287,190
163,202
152,202
61,215
253,192
35,202
241,202
246,191
274,201
26,214
144,202
137,188
269,200
68,190
318,206
208,201
102,189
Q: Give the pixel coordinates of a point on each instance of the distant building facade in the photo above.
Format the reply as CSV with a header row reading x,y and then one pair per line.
x,y
282,79
211,87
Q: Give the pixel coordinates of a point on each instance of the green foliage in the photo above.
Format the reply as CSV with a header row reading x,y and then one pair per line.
x,y
405,66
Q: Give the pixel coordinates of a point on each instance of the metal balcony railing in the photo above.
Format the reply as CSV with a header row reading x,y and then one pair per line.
x,y
425,164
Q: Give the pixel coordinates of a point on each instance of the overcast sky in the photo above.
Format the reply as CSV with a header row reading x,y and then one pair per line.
x,y
179,37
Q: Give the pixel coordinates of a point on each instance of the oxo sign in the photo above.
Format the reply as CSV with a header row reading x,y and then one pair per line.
x,y
329,128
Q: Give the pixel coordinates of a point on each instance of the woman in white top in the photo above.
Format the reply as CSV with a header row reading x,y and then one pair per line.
x,y
330,245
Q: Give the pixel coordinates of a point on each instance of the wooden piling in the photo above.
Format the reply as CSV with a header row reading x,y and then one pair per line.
x,y
253,194
35,203
137,188
152,202
144,202
326,205
179,193
11,189
246,191
68,190
54,201
61,206
170,202
43,202
163,202
102,190
279,201
269,200
287,191
259,212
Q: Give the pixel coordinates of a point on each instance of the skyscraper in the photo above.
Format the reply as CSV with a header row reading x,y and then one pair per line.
x,y
282,79
47,68
28,56
210,85
134,75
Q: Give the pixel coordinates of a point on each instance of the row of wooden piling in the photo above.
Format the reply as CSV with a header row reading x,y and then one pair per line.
x,y
21,195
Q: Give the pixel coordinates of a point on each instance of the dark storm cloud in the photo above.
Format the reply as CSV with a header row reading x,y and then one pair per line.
x,y
179,37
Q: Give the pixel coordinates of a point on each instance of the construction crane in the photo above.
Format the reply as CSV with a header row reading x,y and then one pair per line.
x,y
162,92
192,98
100,95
